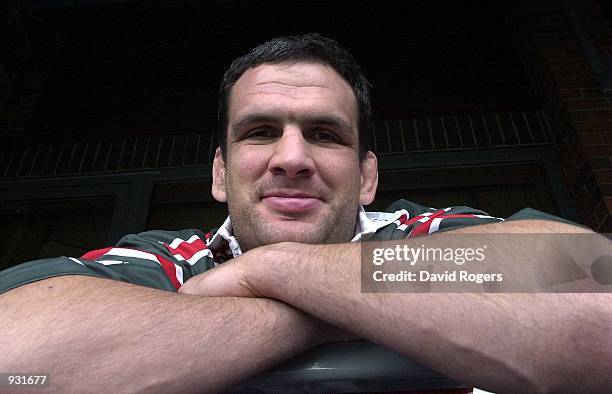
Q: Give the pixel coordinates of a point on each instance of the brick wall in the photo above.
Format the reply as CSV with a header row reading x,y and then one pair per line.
x,y
578,111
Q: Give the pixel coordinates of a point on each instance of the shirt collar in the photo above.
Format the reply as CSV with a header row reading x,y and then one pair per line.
x,y
224,245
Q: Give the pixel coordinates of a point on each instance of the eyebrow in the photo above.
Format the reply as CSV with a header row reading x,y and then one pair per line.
x,y
323,120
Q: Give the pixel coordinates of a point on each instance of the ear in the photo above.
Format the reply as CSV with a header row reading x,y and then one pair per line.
x,y
218,175
369,179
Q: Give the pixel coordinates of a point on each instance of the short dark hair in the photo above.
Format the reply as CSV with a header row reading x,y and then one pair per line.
x,y
308,47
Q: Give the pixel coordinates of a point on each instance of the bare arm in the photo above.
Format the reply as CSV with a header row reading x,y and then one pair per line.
x,y
501,342
94,334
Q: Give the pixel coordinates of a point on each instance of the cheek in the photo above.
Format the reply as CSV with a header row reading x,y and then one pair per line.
x,y
342,172
247,165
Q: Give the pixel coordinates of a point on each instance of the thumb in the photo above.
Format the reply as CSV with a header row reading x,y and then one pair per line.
x,y
218,282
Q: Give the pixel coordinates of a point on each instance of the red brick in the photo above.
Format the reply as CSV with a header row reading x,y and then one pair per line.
x,y
603,176
570,93
565,45
543,7
605,41
569,73
585,73
593,138
593,125
570,53
545,37
559,28
537,20
600,163
598,150
599,28
603,114
556,19
585,103
574,63
553,53
595,92
578,116
587,8
577,83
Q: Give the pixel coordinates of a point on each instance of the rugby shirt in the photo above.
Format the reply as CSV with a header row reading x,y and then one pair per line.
x,y
166,259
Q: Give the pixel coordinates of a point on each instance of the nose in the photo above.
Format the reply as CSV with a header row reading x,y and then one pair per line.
x,y
292,156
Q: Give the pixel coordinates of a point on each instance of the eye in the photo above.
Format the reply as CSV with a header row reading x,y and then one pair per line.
x,y
323,135
261,133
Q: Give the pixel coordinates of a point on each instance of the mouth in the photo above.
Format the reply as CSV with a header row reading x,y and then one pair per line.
x,y
291,202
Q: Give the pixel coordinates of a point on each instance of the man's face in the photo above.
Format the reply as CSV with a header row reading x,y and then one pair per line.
x,y
293,171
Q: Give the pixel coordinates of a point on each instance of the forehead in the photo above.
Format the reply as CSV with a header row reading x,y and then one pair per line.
x,y
292,89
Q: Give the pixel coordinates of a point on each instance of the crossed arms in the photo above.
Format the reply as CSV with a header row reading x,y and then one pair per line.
x,y
93,334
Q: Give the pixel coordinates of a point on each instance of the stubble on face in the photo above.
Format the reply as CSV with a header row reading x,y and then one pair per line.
x,y
289,92
253,230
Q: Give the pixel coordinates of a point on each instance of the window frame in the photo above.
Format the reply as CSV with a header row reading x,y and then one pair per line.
x,y
133,191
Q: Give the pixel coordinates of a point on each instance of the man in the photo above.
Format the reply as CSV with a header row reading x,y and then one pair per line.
x,y
294,171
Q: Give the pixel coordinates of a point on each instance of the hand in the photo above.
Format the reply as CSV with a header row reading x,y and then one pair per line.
x,y
242,277
246,275
227,280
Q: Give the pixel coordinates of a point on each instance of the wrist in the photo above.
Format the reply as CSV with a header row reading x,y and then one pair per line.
x,y
288,270
277,270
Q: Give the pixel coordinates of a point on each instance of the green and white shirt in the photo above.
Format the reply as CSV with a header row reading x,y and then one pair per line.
x,y
166,259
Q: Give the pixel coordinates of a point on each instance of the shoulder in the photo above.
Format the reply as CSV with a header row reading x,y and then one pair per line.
x,y
169,237
160,259
410,219
415,209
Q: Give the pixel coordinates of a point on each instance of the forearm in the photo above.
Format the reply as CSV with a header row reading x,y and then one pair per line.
x,y
92,334
498,341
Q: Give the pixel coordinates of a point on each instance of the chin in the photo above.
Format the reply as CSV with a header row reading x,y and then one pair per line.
x,y
309,234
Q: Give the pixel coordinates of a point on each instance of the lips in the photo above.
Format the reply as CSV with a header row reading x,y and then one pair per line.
x,y
291,202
